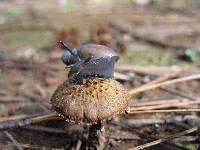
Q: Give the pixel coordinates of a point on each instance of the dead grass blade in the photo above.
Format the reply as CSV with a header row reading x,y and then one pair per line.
x,y
173,103
162,111
156,85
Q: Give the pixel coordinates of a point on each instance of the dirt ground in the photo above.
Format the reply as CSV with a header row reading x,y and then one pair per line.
x,y
154,40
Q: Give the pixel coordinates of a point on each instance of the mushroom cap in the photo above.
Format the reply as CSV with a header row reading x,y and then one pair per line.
x,y
94,99
97,51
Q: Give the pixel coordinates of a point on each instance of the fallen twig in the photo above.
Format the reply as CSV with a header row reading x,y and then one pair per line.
x,y
7,124
144,136
164,139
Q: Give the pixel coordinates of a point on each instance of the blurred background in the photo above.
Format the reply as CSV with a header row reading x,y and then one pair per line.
x,y
153,37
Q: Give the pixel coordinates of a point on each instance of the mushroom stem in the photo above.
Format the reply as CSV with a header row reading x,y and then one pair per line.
x,y
96,138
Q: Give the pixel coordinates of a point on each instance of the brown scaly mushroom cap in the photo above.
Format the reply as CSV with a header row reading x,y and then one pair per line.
x,y
96,99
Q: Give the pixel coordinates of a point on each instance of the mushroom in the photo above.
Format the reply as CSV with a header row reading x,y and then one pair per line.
x,y
90,97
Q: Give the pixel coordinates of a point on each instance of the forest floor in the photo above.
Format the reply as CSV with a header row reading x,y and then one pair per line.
x,y
154,41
